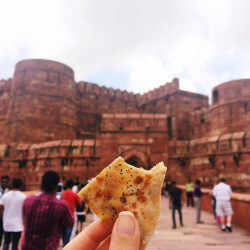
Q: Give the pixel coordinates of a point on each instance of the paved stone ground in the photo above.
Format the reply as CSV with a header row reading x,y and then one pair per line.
x,y
193,236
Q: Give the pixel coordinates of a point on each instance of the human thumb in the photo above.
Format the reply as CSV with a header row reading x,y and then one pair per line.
x,y
126,233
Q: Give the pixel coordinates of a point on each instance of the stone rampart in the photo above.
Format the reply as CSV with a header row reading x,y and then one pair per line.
x,y
211,158
231,91
42,102
138,138
5,88
70,158
43,105
229,112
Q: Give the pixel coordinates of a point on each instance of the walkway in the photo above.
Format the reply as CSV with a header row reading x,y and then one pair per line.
x,y
195,236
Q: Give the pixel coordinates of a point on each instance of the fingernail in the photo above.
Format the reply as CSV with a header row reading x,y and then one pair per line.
x,y
126,224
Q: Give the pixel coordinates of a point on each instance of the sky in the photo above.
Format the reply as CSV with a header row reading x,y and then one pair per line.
x,y
136,45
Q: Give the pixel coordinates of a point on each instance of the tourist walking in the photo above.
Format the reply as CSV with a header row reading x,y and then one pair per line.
x,y
73,200
222,193
175,203
45,216
198,193
3,189
189,191
11,205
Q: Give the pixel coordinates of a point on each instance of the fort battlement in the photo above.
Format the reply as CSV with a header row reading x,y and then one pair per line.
x,y
139,99
48,121
102,91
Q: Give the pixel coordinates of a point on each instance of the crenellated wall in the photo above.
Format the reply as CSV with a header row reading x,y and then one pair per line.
x,y
46,117
93,100
45,99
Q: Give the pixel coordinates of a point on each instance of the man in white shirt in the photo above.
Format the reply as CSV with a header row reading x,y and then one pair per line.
x,y
222,193
11,205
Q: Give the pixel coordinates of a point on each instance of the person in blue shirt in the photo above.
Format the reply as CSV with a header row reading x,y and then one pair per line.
x,y
197,194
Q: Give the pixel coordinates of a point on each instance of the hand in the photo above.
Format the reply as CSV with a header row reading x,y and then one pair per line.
x,y
125,235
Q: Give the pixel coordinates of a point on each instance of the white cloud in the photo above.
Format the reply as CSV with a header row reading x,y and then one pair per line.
x,y
203,42
147,71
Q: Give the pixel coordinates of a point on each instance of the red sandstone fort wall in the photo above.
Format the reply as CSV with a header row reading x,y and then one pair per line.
x,y
44,108
70,158
42,103
177,104
5,87
229,112
139,138
93,100
210,158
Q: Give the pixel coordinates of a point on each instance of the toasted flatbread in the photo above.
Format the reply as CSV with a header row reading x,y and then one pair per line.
x,y
122,187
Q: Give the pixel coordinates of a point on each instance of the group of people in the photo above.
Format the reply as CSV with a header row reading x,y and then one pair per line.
x,y
220,201
44,218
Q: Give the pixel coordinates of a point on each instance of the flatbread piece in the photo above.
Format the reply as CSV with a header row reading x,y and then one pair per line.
x,y
122,187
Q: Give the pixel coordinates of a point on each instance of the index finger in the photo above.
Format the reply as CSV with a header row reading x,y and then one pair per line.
x,y
90,237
